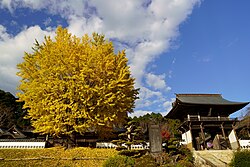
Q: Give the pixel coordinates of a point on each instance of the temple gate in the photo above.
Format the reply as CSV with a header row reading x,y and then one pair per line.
x,y
206,123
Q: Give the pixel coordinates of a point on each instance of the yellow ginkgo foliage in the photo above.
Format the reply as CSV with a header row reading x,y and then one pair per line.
x,y
72,84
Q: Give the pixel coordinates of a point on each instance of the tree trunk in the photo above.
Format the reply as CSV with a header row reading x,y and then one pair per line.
x,y
71,140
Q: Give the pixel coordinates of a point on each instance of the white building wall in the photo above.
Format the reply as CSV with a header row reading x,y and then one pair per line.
x,y
186,138
233,140
22,145
244,144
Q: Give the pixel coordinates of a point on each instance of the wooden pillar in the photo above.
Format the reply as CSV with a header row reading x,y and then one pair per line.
x,y
203,136
224,134
210,112
189,125
190,146
190,128
199,117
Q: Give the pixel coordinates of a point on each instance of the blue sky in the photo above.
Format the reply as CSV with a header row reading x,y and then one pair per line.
x,y
175,46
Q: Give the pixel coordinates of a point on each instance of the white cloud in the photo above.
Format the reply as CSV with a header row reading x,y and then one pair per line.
x,y
170,73
12,51
145,31
157,82
62,7
205,59
148,97
47,21
139,113
3,34
6,4
167,106
201,58
80,25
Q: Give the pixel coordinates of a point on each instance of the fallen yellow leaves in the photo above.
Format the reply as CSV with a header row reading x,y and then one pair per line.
x,y
57,156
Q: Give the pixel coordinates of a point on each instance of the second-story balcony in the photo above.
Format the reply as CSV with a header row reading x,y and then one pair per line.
x,y
203,118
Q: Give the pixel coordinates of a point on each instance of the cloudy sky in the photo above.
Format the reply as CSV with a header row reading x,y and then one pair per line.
x,y
173,46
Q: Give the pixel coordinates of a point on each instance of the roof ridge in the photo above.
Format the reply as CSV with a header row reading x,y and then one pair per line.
x,y
198,94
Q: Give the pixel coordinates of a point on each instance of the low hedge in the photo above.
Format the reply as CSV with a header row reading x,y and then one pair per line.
x,y
133,153
241,159
119,161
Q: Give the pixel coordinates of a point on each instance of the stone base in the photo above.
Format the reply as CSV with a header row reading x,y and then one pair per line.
x,y
157,156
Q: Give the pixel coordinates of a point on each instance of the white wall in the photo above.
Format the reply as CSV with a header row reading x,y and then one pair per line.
x,y
22,145
186,137
233,140
244,144
111,145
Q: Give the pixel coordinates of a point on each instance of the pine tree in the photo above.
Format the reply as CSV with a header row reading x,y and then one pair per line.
x,y
132,135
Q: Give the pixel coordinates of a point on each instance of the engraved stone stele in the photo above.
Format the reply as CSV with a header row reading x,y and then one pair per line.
x,y
155,139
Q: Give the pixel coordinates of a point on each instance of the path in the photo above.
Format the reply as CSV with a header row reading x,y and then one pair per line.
x,y
213,158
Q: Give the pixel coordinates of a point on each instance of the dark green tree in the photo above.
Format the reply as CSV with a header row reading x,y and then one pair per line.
x,y
11,112
243,130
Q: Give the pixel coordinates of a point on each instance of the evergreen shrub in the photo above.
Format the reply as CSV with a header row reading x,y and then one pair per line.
x,y
145,161
119,161
187,153
241,159
133,153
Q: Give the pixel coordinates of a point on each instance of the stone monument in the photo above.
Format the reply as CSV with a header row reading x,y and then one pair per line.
x,y
155,139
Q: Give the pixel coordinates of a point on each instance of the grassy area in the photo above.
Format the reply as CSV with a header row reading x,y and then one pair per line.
x,y
241,158
56,156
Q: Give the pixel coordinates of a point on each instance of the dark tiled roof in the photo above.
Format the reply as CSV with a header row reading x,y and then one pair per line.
x,y
14,132
213,99
193,104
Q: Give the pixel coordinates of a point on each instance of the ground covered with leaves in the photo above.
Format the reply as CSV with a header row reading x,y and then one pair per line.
x,y
56,156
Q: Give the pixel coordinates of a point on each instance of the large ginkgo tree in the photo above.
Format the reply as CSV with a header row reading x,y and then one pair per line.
x,y
73,85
